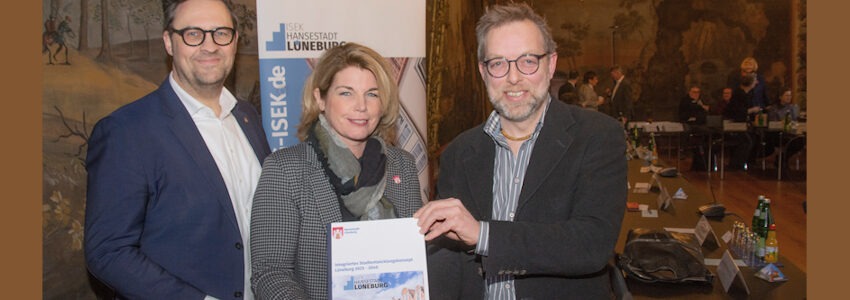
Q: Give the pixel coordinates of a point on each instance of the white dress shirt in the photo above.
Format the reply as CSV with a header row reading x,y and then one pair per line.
x,y
616,86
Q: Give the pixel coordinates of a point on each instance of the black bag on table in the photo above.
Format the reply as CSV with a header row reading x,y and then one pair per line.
x,y
656,255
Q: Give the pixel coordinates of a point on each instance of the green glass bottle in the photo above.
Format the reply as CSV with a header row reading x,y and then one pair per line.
x,y
764,227
635,137
767,215
653,149
757,220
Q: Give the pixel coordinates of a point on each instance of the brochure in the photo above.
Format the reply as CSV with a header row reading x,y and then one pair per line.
x,y
380,259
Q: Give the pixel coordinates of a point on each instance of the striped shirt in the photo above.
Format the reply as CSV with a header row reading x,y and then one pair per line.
x,y
508,176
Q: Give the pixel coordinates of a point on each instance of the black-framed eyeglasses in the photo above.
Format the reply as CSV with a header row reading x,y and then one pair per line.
x,y
527,64
194,36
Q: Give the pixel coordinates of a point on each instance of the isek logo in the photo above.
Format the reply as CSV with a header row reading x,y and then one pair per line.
x,y
278,42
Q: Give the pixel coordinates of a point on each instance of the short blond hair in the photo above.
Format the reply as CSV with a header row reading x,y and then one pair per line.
x,y
750,62
338,58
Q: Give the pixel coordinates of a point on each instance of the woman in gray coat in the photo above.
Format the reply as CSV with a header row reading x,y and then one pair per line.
x,y
345,169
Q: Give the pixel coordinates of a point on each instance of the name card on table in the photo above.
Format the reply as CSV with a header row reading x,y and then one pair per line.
x,y
730,275
664,199
380,259
705,233
644,187
653,181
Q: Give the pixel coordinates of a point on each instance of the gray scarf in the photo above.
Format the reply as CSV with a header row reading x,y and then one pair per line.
x,y
365,202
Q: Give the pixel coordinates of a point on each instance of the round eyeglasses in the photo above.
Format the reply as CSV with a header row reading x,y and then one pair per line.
x,y
526,64
194,36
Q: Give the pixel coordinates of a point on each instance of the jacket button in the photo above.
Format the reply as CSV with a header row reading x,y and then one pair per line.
x,y
237,294
238,246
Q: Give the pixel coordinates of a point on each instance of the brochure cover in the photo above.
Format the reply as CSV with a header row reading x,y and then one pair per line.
x,y
381,259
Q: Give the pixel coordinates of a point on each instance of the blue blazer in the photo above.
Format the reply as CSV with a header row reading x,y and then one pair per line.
x,y
159,220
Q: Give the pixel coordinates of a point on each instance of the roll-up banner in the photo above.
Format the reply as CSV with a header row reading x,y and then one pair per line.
x,y
292,34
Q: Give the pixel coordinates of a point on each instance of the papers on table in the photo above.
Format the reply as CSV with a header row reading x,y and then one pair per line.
x,y
734,126
659,126
642,187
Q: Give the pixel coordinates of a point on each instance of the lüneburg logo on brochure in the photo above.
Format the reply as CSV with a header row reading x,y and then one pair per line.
x,y
337,232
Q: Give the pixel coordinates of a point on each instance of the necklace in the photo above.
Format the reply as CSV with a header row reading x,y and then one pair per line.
x,y
516,139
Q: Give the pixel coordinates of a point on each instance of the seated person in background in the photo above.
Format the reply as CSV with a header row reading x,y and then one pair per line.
x,y
784,107
345,169
692,112
738,110
587,96
568,92
720,106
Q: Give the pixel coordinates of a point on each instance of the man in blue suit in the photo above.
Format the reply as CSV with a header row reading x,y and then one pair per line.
x,y
171,176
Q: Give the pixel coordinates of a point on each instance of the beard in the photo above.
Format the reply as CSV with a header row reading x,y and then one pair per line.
x,y
209,78
211,75
520,111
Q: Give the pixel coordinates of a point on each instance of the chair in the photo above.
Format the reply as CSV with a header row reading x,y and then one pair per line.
x,y
797,143
618,282
696,139
714,121
734,135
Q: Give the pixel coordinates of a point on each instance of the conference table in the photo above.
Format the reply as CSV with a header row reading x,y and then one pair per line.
x,y
785,138
685,214
761,135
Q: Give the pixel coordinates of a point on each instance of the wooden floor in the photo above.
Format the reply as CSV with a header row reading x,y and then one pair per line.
x,y
739,191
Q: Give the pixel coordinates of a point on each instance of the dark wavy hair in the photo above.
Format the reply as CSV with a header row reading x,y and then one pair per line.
x,y
170,7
